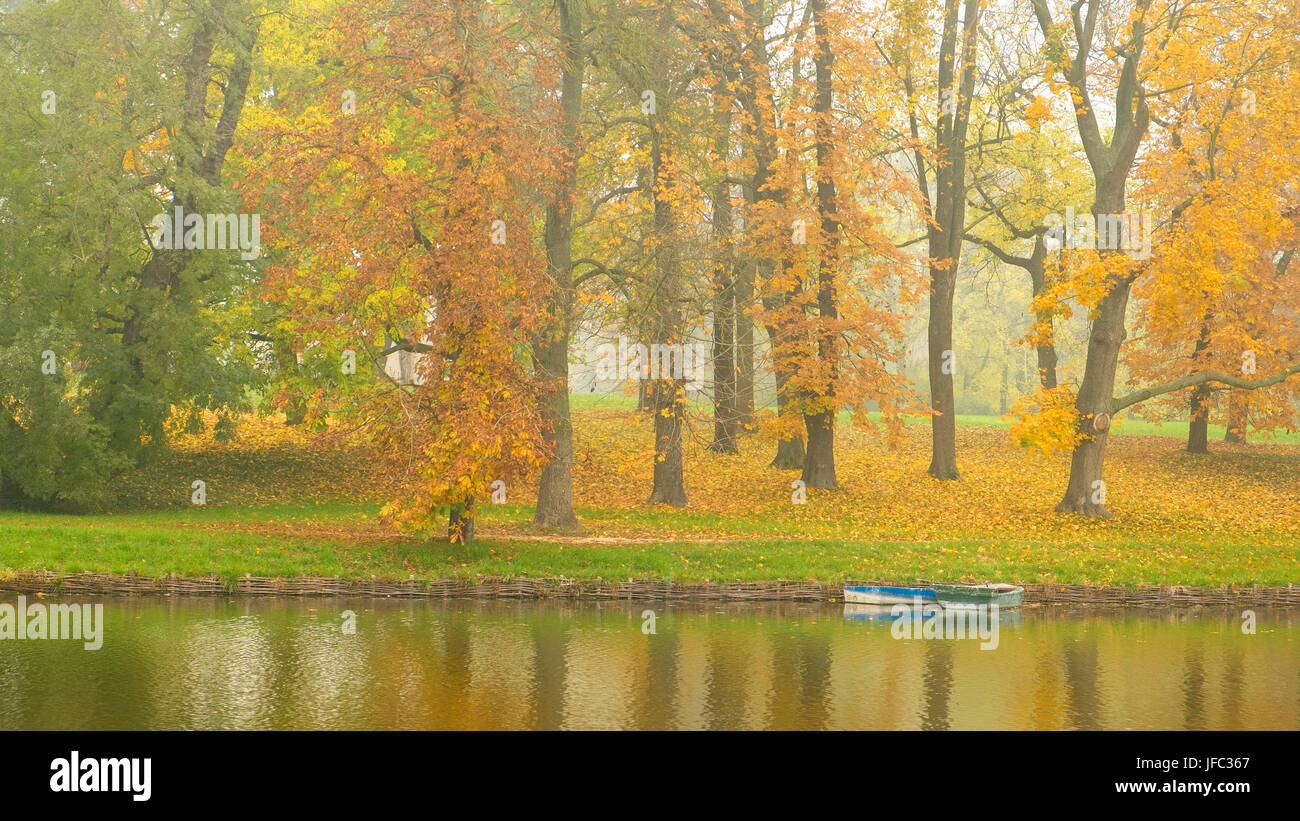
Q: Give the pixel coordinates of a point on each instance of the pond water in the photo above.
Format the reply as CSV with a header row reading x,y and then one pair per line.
x,y
180,663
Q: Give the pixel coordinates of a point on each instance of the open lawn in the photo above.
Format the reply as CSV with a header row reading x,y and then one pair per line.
x,y
281,503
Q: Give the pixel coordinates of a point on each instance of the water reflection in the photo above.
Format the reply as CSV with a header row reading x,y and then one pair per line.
x,y
195,663
938,685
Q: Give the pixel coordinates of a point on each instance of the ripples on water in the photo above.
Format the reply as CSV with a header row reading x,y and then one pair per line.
x,y
286,664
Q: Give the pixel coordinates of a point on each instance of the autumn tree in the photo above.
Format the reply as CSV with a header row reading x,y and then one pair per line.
x,y
1224,169
551,349
740,29
1119,52
941,181
395,172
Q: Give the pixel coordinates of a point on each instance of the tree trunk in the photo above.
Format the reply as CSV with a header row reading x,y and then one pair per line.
x,y
1038,278
666,396
296,409
943,424
1199,425
200,153
744,291
1086,493
756,97
725,414
460,523
551,351
948,229
1110,164
819,461
296,412
1004,391
1046,362
789,452
724,310
669,487
1199,406
555,488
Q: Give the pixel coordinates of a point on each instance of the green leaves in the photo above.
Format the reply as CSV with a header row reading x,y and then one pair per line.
x,y
96,138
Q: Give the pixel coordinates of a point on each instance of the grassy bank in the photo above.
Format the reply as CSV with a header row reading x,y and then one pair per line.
x,y
283,503
326,541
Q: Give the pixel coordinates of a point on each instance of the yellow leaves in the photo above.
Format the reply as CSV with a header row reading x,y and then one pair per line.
x,y
1047,421
1037,112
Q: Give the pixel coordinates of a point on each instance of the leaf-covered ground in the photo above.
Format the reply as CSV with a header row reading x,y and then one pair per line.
x,y
284,502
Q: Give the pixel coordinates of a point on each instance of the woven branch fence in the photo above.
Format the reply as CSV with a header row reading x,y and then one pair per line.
x,y
524,588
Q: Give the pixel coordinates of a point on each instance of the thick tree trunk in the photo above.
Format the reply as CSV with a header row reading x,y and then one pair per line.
x,y
756,96
789,451
460,523
943,423
1199,405
1237,418
789,454
286,361
1047,363
1198,428
1086,493
551,351
669,487
819,461
555,489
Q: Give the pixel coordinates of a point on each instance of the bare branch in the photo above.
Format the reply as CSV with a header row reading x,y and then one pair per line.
x,y
1198,378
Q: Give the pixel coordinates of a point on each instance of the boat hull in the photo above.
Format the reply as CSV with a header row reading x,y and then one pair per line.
x,y
964,596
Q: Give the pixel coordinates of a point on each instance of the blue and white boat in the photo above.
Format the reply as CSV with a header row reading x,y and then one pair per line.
x,y
887,595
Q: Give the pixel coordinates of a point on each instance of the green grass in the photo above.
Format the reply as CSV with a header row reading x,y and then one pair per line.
x,y
203,542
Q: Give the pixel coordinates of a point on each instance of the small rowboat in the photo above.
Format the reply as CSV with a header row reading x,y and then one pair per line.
x,y
887,595
975,595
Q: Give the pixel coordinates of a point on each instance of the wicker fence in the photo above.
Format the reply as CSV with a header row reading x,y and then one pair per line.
x,y
524,588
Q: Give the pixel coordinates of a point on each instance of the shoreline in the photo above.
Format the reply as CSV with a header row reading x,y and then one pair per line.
x,y
55,584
